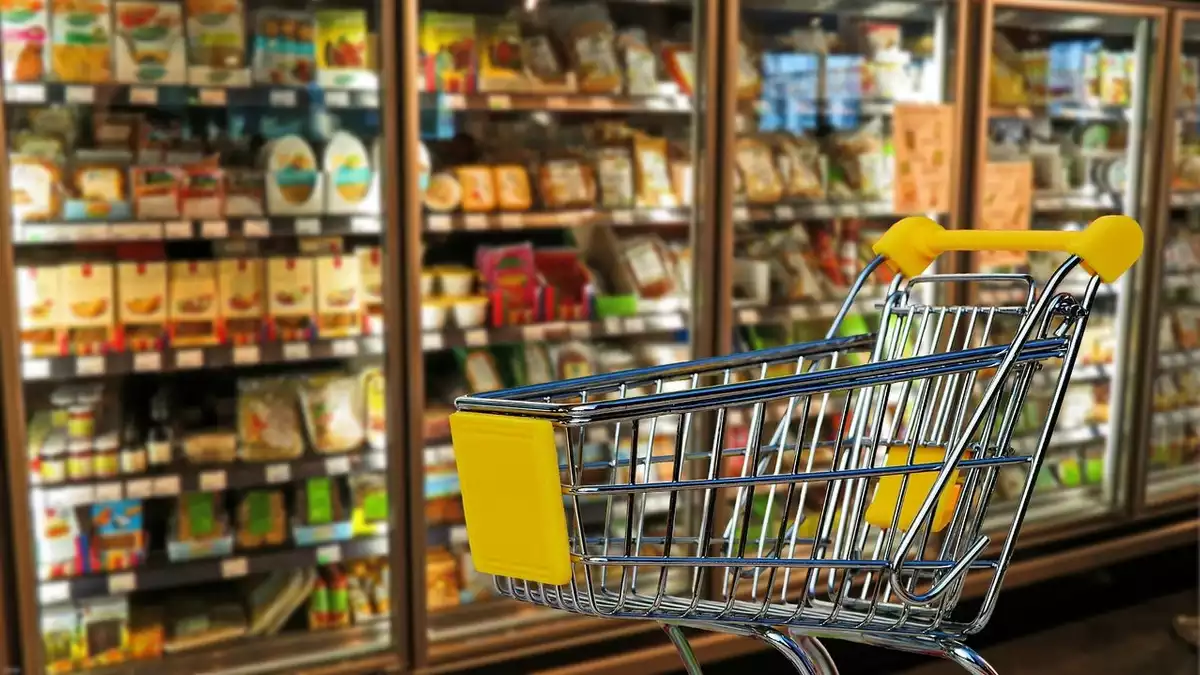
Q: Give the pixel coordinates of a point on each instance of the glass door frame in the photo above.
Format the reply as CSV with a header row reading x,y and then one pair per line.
x,y
26,602
572,631
1126,385
1151,282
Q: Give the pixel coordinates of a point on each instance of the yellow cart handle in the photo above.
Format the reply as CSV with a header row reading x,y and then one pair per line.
x,y
1109,246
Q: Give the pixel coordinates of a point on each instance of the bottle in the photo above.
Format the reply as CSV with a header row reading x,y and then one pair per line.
x,y
318,605
339,599
133,449
160,437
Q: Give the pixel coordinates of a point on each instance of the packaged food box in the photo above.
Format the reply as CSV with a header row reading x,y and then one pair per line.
x,y
203,195
97,191
194,312
294,185
88,293
62,639
240,283
157,192
33,188
448,52
42,309
369,497
370,272
349,176
338,303
199,527
261,519
284,47
152,49
24,30
500,57
375,407
81,37
268,420
118,539
105,627
216,43
343,59
147,633
320,514
244,193
142,290
333,408
291,303
59,543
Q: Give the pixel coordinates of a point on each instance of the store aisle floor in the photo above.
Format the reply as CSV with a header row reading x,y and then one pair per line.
x,y
1134,640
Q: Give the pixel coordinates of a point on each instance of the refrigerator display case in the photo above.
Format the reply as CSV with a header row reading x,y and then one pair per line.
x,y
196,395
552,210
1167,468
1069,116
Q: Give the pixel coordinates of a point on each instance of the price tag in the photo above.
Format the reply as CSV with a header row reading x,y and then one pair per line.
x,y
345,348
579,329
499,102
329,554
82,95
279,473
90,365
108,492
147,362
308,227
296,351
136,231
476,338
671,322
139,489
741,213
458,535
783,212
283,98
511,221
452,101
214,229
178,230
364,225
557,102
189,358
533,333
439,223
612,326
337,99
119,584
602,103
26,93
234,568
166,486
368,99
143,96
431,342
475,221
212,481
635,325
54,592
749,317
211,96
247,355
622,217
336,466
35,369
256,228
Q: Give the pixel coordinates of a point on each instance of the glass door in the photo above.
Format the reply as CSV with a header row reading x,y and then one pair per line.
x,y
195,406
1169,470
1069,122
554,172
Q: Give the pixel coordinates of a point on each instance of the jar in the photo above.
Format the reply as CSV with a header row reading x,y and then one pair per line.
x,y
53,459
61,400
81,421
105,458
79,460
133,460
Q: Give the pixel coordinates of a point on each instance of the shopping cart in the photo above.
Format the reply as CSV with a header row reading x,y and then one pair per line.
x,y
862,515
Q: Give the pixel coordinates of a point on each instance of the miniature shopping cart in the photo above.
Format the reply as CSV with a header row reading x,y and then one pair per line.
x,y
849,488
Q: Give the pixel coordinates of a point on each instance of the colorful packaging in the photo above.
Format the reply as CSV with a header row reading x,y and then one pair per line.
x,y
216,37
284,50
342,56
151,48
142,289
81,36
88,293
194,311
24,30
447,52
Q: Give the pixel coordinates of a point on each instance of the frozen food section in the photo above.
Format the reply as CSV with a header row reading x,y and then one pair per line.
x,y
197,420
1068,111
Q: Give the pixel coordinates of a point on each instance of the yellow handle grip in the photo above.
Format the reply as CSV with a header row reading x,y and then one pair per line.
x,y
1109,245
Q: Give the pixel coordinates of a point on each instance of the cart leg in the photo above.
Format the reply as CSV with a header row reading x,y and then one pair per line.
x,y
968,658
807,654
675,633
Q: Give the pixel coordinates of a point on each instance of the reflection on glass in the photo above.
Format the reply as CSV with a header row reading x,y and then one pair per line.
x,y
196,211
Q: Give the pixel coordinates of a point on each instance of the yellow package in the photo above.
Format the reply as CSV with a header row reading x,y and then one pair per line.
x,y
81,41
512,188
887,495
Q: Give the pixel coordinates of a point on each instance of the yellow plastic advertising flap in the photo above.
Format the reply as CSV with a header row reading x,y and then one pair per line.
x,y
512,497
887,495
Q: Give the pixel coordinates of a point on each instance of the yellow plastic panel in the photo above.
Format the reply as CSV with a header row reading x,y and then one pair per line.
x,y
512,498
887,494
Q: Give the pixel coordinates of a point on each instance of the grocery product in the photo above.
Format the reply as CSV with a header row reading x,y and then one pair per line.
x,y
341,49
481,371
370,272
271,601
590,41
118,538
142,314
573,360
244,193
194,311
615,175
33,182
157,192
754,162
645,264
338,307
199,527
24,28
62,642
42,310
513,192
104,623
369,499
448,52
652,171
566,182
88,295
203,193
444,193
200,622
332,406
284,48
291,305
147,633
216,37
441,580
150,44
81,37
97,191
268,420
478,188
320,513
350,176
501,66
261,519
293,181
209,447
240,286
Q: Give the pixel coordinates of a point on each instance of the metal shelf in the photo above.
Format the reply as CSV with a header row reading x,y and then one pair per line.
x,y
198,358
1046,202
187,477
797,210
36,234
470,222
565,102
150,96
1062,111
559,331
161,574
